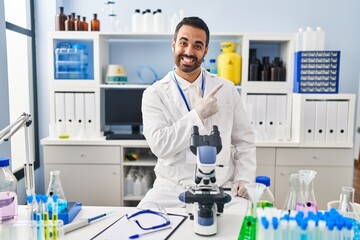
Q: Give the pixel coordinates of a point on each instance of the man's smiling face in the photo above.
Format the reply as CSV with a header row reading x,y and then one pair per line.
x,y
189,48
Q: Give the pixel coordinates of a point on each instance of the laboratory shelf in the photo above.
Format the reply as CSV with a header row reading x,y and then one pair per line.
x,y
140,162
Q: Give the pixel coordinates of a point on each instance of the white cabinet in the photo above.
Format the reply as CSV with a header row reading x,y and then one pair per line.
x,y
138,173
334,169
89,174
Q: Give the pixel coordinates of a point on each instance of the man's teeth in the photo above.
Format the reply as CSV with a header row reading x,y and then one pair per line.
x,y
188,60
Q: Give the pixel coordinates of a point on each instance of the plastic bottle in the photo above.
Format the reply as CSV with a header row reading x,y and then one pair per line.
x,y
137,187
266,68
320,39
229,63
213,66
267,198
129,185
137,21
55,187
95,23
159,22
299,40
60,20
309,39
8,193
148,21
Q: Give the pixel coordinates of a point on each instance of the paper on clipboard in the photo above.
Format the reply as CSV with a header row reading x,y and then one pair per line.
x,y
123,228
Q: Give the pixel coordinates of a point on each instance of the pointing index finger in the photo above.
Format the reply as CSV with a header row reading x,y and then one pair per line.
x,y
216,89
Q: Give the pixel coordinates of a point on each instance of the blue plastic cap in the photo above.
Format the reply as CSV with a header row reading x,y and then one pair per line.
x,y
38,198
265,222
30,198
182,197
55,197
4,162
304,224
264,180
212,60
275,222
44,198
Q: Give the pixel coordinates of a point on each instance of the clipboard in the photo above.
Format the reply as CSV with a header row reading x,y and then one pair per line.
x,y
122,228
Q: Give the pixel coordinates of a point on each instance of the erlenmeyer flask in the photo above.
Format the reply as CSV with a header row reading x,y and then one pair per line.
x,y
308,177
295,199
55,187
346,199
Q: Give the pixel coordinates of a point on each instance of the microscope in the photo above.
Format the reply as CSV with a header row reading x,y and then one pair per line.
x,y
207,198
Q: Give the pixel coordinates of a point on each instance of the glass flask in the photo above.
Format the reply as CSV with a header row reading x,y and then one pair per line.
x,y
248,228
295,199
95,23
55,187
308,177
8,193
346,202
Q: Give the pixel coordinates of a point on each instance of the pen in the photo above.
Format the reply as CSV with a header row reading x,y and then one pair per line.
x,y
141,234
83,222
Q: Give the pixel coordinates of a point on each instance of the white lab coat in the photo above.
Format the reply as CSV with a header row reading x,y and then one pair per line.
x,y
168,125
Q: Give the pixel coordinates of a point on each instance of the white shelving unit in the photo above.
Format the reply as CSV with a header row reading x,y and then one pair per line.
x,y
103,172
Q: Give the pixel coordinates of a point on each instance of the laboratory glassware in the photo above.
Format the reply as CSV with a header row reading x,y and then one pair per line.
x,y
308,177
70,23
248,228
8,193
267,198
55,187
95,23
60,20
85,24
346,199
295,199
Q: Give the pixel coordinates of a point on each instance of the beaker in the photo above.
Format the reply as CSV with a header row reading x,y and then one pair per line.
x,y
308,177
346,199
55,187
248,228
295,199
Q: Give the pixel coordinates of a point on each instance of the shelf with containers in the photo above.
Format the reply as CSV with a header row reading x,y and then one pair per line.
x,y
277,48
138,164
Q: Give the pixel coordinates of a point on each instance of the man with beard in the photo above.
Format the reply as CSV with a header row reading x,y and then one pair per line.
x,y
188,95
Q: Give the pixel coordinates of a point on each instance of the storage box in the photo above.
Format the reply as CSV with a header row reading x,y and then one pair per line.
x,y
316,72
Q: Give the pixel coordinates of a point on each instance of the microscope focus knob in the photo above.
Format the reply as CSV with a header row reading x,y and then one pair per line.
x,y
213,179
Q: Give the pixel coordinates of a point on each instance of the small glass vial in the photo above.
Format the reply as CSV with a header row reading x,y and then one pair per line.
x,y
55,187
70,23
8,193
95,23
267,198
346,202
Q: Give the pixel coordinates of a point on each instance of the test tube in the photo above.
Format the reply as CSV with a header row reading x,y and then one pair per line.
x,y
55,216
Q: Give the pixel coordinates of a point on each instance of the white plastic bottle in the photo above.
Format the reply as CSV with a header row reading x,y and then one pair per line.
x,y
137,187
129,185
299,40
174,22
148,21
320,39
159,22
309,40
8,193
137,21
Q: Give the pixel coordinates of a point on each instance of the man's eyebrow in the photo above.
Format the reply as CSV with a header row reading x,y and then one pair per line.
x,y
183,38
199,42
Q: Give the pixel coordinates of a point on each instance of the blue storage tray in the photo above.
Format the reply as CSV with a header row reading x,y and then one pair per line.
x,y
317,72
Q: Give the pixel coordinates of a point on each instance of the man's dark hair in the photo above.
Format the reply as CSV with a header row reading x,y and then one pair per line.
x,y
195,22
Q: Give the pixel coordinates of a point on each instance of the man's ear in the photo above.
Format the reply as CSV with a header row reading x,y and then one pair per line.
x,y
173,45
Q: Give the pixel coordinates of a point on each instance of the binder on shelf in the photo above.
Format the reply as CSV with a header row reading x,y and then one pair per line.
x,y
342,121
70,107
60,121
271,113
90,112
331,113
261,116
320,121
79,109
309,123
251,109
281,106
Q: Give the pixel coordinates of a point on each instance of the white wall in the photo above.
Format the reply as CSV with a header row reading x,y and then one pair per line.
x,y
340,20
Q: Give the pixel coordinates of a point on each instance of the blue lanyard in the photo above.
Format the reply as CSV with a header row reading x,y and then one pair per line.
x,y
182,93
